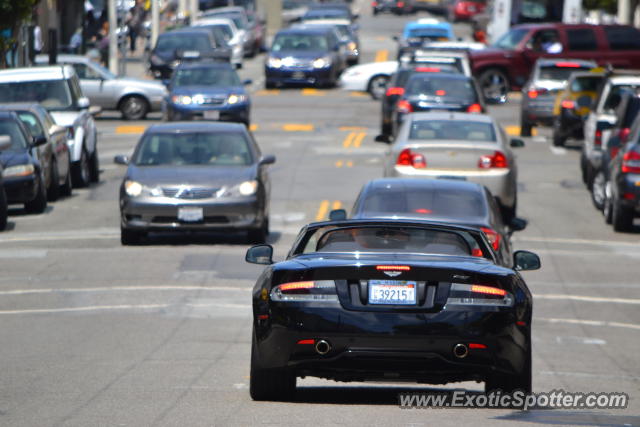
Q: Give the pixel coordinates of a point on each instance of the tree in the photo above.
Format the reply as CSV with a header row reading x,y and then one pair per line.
x,y
12,14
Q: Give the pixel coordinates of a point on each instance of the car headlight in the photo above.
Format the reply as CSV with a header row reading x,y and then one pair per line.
x,y
18,170
187,100
274,62
236,99
352,46
135,189
322,62
247,188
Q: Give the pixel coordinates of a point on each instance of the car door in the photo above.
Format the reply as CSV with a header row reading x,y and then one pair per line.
x,y
536,46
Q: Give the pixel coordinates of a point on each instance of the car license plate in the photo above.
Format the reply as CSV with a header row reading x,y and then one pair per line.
x,y
397,292
190,214
212,115
298,75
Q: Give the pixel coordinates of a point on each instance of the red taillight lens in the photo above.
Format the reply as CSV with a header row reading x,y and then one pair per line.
x,y
488,290
404,106
624,134
492,236
477,346
374,3
477,252
631,162
474,108
285,287
393,267
498,160
628,196
307,342
567,65
423,211
427,69
400,4
319,290
534,93
478,295
395,91
409,158
597,140
568,104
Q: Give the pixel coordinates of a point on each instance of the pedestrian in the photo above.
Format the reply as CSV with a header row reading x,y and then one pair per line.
x,y
103,43
37,35
135,22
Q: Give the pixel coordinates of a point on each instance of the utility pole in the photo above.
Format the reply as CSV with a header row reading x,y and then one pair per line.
x,y
113,37
155,22
193,10
182,9
624,11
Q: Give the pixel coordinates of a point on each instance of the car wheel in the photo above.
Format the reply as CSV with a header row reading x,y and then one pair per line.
x,y
558,138
53,192
525,127
622,217
510,383
598,190
269,384
375,12
583,168
134,107
67,188
377,86
130,237
81,174
39,203
94,166
3,209
607,209
494,85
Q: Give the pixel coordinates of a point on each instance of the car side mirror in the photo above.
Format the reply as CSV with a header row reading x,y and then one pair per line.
x,y
121,159
83,103
260,254
94,110
38,141
5,142
268,160
337,215
383,138
518,224
525,260
247,82
516,143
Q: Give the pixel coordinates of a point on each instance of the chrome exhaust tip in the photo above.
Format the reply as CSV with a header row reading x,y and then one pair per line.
x,y
460,351
323,347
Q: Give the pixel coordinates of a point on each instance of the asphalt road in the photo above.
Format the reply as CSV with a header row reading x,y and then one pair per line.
x,y
96,334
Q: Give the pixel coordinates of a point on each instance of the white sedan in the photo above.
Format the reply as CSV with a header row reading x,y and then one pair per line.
x,y
371,77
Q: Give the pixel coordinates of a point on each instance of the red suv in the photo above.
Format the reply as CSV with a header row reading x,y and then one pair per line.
x,y
507,64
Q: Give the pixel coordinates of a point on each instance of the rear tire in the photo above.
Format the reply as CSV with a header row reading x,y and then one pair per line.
x,y
607,209
510,383
3,209
67,188
259,235
558,138
622,217
494,85
81,171
525,127
39,203
94,166
134,108
598,189
53,192
269,384
377,86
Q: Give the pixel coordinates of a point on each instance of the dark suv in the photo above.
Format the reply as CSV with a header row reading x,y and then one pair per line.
x,y
508,64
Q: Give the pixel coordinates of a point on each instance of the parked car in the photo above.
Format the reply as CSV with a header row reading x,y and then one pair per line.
x,y
441,200
212,91
231,36
195,176
464,10
573,104
134,98
509,63
602,117
53,155
346,34
548,78
389,298
398,7
329,10
372,77
57,89
304,56
464,146
246,29
416,34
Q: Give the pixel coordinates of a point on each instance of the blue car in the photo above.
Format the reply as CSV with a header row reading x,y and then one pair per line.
x,y
207,90
305,56
417,33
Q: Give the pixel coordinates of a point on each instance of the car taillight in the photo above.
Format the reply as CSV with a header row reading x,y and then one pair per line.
x,y
395,91
477,252
533,93
597,140
498,160
319,290
400,4
374,3
631,162
427,69
409,158
568,104
492,236
624,134
474,108
404,106
393,267
461,294
567,65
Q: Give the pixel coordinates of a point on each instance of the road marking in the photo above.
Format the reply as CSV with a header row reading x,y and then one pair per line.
x,y
349,163
253,127
266,92
558,151
297,127
589,322
575,241
322,210
382,55
358,140
22,253
348,139
585,298
339,163
130,130
337,204
590,375
352,128
514,130
312,92
580,340
358,94
122,288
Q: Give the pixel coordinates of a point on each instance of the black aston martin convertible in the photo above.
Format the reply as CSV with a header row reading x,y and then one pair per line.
x,y
394,300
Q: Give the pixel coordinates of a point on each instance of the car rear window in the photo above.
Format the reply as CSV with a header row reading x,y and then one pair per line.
x,y
428,34
558,72
447,89
452,130
622,38
52,94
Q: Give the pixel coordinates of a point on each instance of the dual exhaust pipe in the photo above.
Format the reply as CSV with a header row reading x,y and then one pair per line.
x,y
460,351
323,347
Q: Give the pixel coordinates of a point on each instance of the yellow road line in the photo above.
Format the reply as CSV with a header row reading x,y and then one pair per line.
x,y
337,204
312,92
514,130
130,129
349,164
358,140
322,210
266,92
349,139
297,127
382,55
253,127
358,94
339,163
350,128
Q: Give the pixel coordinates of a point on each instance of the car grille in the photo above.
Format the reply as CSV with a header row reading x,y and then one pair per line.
x,y
214,100
301,63
189,193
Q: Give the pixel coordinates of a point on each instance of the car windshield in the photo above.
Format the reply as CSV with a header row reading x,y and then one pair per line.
x,y
301,42
179,149
225,30
171,42
553,72
387,239
52,94
12,130
206,76
586,84
423,202
326,14
510,40
447,89
457,130
32,123
102,70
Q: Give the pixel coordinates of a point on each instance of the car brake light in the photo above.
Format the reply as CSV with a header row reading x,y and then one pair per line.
x,y
423,211
395,91
567,65
492,236
427,69
628,196
568,104
374,3
597,140
474,108
477,252
393,267
441,92
307,342
319,290
409,158
477,346
631,162
533,93
624,134
498,160
462,294
404,106
400,4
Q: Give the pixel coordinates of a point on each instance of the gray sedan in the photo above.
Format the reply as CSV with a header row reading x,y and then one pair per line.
x,y
133,97
195,176
463,146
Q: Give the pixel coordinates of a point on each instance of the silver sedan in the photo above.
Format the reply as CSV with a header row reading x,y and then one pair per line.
x,y
133,97
463,146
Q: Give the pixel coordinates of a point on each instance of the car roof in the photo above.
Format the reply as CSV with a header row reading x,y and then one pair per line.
x,y
409,183
54,72
621,80
12,106
445,115
186,30
177,127
319,29
329,21
8,115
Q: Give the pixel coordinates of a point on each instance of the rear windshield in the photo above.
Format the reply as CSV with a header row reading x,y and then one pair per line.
x,y
434,34
9,128
586,84
52,94
427,86
197,42
452,130
558,73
